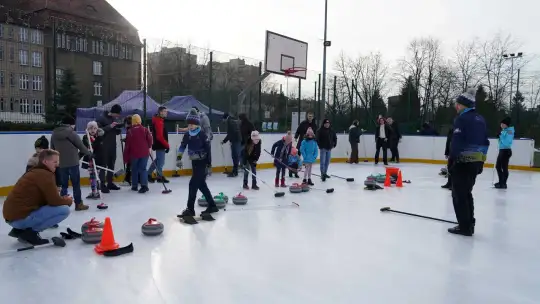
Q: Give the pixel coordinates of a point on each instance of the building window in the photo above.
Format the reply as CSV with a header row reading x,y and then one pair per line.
x,y
94,47
101,48
37,37
59,74
12,79
23,34
37,59
37,83
11,32
37,106
1,52
2,79
99,103
97,88
24,105
11,54
23,57
1,30
2,104
23,82
98,68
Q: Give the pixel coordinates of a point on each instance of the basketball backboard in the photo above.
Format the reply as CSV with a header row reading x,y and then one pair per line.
x,y
284,53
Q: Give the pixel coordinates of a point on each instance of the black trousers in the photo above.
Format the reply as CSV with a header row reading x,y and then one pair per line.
x,y
354,153
280,170
503,159
293,166
463,180
394,149
448,166
107,160
198,182
381,144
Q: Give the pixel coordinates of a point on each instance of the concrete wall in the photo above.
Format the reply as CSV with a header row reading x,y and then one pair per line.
x,y
18,147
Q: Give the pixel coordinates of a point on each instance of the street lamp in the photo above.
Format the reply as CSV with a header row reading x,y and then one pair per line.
x,y
511,57
326,44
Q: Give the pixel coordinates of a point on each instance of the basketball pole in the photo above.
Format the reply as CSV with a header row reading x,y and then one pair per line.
x,y
324,60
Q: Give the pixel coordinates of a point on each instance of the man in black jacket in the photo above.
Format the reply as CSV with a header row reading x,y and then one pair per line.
x,y
107,155
382,134
309,122
448,184
235,137
395,137
354,140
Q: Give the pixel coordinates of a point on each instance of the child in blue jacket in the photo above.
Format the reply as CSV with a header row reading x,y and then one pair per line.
x,y
295,162
309,150
506,137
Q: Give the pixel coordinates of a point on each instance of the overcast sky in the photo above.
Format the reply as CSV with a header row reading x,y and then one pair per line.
x,y
238,26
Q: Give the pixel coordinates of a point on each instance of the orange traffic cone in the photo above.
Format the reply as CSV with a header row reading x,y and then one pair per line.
x,y
107,239
399,182
387,182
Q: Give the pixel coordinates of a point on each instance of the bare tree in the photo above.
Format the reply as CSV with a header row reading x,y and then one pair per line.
x,y
421,62
534,96
369,74
468,64
446,84
496,70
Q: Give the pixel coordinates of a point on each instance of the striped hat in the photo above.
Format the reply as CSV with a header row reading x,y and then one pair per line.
x,y
193,118
468,98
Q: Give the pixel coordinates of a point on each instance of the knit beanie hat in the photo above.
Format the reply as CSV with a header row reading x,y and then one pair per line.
x,y
255,135
310,132
42,143
507,121
68,120
288,138
136,119
193,118
116,109
91,124
468,98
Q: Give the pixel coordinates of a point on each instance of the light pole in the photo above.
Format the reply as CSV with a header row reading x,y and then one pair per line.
x,y
326,44
511,57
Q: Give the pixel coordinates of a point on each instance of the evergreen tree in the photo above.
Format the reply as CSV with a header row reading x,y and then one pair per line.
x,y
518,111
68,96
378,107
407,110
488,109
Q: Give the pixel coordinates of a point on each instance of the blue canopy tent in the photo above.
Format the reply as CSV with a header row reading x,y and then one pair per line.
x,y
132,102
185,103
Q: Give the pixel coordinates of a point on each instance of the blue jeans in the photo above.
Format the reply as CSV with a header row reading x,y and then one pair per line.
x,y
74,175
43,218
236,150
325,160
158,163
138,169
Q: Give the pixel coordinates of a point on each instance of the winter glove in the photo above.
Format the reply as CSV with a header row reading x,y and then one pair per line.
x,y
166,150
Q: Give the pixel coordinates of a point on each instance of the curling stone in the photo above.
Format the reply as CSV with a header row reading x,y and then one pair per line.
x,y
222,197
92,235
295,188
202,202
220,202
91,223
152,227
305,187
239,199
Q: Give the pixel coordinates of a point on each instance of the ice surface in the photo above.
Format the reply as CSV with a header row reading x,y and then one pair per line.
x,y
335,248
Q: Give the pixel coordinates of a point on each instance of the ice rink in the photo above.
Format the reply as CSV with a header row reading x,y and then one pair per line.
x,y
334,248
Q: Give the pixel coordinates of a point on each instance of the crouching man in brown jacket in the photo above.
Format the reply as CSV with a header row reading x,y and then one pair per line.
x,y
34,204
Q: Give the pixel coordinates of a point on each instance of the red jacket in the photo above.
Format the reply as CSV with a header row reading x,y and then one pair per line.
x,y
138,143
159,132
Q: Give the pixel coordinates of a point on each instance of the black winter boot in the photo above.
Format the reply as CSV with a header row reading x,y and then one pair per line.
x,y
210,209
32,237
188,212
460,231
310,182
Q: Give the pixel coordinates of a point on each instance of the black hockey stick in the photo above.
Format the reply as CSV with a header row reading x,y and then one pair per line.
x,y
273,207
54,241
329,190
387,209
166,191
276,193
349,179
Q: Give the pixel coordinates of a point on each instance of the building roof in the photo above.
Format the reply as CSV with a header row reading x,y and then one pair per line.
x,y
92,12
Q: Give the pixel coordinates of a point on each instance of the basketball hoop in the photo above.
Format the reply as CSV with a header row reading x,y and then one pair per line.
x,y
291,71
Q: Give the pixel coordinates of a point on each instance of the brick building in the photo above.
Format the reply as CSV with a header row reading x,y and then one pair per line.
x,y
89,37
